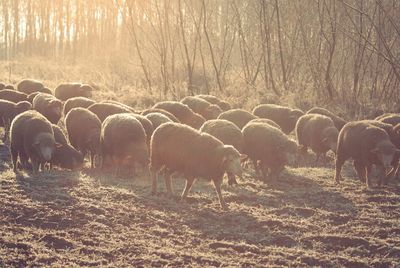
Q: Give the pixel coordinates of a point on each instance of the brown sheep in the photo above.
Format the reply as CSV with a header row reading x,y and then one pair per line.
x,y
182,112
228,133
161,111
225,106
9,87
123,139
67,91
49,106
83,128
157,119
367,145
29,86
147,125
31,137
12,95
32,96
180,148
265,121
239,117
338,121
120,104
77,102
269,145
8,111
103,110
285,117
207,110
318,132
65,156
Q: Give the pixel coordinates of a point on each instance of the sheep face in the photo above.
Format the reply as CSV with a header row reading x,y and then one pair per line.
x,y
385,152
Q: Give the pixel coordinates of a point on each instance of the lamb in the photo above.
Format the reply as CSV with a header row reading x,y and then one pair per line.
x,y
123,139
65,156
239,117
367,145
49,106
83,128
206,109
317,132
285,117
157,119
67,91
338,121
269,145
77,102
265,121
8,111
29,86
228,133
31,137
182,112
161,111
180,148
103,110
12,95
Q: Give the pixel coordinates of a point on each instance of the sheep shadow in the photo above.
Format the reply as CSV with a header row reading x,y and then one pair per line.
x,y
55,207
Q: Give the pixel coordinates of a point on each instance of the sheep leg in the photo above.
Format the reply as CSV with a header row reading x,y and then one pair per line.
x,y
154,177
257,170
217,185
14,156
316,159
188,186
381,175
168,183
231,179
368,176
338,169
35,166
360,170
92,160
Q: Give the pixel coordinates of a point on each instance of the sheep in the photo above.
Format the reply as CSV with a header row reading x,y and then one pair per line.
x,y
161,111
392,119
49,106
83,128
8,111
2,86
338,121
103,110
77,102
65,156
31,137
12,95
202,107
31,96
182,112
29,86
228,133
285,117
67,91
367,145
318,132
9,87
225,106
157,119
239,117
120,104
180,148
147,125
123,139
265,121
269,145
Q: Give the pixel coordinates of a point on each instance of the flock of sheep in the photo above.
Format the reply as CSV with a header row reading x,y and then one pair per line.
x,y
198,137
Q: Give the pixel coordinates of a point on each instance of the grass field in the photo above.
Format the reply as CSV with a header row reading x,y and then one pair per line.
x,y
92,219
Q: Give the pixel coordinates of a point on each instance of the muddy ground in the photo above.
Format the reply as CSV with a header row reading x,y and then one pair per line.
x,y
92,219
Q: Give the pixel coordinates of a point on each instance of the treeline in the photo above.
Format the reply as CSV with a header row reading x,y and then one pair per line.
x,y
346,50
